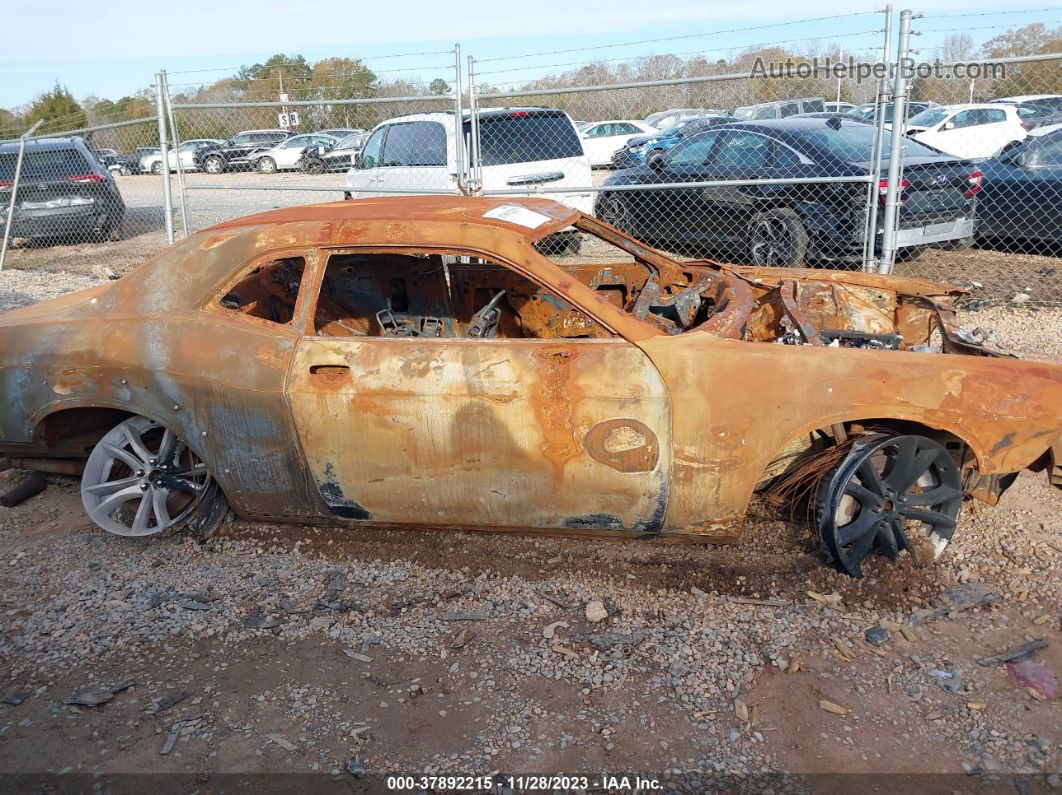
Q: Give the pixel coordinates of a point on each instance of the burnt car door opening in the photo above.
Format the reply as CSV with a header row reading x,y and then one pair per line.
x,y
442,388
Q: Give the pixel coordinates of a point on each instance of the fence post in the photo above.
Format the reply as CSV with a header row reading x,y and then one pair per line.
x,y
870,259
176,152
459,124
14,189
899,125
474,154
167,199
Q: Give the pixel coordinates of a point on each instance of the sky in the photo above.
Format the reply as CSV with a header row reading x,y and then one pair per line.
x,y
113,49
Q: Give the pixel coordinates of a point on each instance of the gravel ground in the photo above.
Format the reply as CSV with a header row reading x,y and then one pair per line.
x,y
307,649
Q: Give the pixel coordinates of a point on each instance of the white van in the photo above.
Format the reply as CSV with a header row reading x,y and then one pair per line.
x,y
519,148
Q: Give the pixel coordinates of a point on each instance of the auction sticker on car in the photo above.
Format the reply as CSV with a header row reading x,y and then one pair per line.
x,y
517,215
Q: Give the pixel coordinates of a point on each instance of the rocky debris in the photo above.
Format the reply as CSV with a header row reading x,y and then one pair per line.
x,y
595,611
1039,680
16,697
95,695
1016,653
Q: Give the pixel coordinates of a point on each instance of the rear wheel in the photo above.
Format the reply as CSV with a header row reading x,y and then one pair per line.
x,y
156,168
141,480
890,493
613,210
777,238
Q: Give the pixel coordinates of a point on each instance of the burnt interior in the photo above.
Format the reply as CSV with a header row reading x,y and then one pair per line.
x,y
413,294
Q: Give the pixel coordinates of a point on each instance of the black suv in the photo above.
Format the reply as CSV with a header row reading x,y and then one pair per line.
x,y
63,190
233,154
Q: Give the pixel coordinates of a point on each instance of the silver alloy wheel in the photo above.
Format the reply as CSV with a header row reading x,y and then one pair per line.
x,y
213,165
140,479
772,242
267,165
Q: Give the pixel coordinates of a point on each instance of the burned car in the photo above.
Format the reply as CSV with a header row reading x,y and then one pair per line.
x,y
419,361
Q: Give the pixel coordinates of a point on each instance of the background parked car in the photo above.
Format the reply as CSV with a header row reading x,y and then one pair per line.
x,y
639,149
1050,100
232,154
665,118
341,132
185,151
972,131
322,158
116,163
868,112
1022,196
838,107
286,154
787,224
519,148
780,109
602,138
63,191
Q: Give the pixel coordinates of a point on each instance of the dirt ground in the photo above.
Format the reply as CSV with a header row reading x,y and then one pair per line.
x,y
292,658
293,651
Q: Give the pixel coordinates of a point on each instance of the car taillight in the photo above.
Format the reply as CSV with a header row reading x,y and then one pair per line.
x,y
81,178
6,184
883,189
974,180
519,113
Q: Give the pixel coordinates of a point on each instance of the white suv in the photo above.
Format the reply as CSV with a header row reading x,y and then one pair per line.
x,y
285,155
970,131
520,148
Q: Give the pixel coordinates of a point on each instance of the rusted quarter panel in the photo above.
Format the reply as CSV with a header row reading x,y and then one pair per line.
x,y
735,405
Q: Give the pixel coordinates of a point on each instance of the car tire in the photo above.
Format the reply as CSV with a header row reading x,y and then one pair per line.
x,y
348,196
156,168
267,165
873,500
213,165
314,167
128,466
777,238
125,171
614,211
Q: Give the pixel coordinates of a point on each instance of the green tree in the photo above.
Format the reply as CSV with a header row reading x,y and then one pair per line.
x,y
438,86
58,109
262,81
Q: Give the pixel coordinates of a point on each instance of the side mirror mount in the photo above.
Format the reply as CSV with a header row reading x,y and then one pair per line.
x,y
1018,160
355,159
948,125
655,161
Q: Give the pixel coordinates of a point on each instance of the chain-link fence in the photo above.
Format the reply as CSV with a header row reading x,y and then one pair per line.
x,y
236,158
864,156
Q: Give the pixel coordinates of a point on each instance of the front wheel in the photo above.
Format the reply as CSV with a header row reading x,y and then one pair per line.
x,y
156,168
313,166
890,493
777,238
213,165
267,165
141,480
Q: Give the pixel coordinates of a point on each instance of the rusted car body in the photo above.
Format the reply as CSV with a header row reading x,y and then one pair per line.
x,y
642,397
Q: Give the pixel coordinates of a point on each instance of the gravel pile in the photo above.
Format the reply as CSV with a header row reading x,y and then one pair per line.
x,y
22,287
73,598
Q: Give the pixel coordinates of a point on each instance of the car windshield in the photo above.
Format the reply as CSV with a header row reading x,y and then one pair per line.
x,y
526,137
855,144
48,164
928,118
351,141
